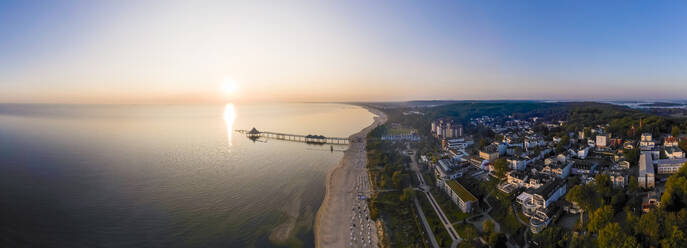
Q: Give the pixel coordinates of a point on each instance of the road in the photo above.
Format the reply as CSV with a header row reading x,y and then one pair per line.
x,y
425,189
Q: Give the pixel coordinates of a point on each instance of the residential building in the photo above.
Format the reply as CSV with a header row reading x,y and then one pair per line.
x,y
669,166
673,152
646,171
602,141
460,196
489,152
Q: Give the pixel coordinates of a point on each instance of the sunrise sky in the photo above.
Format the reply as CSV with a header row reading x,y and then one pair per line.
x,y
200,51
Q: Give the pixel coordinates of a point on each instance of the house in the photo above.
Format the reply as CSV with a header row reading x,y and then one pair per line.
x,y
517,163
583,166
624,164
651,201
517,178
619,179
646,143
560,169
674,152
602,141
489,152
670,141
646,171
460,196
582,152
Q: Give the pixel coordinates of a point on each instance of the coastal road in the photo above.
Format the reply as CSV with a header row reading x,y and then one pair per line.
x,y
444,220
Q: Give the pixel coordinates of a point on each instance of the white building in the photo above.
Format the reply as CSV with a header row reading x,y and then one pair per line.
x,y
602,141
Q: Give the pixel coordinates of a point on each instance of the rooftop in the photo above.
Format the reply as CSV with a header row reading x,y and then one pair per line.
x,y
461,191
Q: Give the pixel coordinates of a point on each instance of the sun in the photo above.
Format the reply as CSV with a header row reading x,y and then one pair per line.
x,y
230,87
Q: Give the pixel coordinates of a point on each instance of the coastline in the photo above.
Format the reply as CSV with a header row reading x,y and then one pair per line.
x,y
330,229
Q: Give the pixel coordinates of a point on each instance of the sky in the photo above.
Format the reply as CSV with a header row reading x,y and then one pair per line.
x,y
274,51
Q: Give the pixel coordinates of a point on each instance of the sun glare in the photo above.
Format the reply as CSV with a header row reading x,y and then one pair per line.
x,y
230,87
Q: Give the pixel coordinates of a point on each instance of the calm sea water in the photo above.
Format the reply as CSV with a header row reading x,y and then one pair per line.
x,y
164,176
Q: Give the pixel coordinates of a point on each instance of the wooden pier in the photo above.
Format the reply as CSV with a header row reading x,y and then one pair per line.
x,y
311,139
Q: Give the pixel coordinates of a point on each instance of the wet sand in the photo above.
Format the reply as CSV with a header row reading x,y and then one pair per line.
x,y
332,223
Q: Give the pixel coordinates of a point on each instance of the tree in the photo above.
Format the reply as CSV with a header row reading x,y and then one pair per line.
x,y
611,236
501,167
551,237
675,132
488,226
469,233
633,184
587,132
676,238
396,179
408,193
600,218
584,197
603,185
497,240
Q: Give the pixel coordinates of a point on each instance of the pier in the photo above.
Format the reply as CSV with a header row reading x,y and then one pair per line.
x,y
310,138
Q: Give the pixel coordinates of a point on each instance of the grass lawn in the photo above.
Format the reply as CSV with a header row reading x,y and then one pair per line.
x,y
440,233
399,131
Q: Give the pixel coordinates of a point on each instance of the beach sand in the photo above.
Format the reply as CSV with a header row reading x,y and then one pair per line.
x,y
332,222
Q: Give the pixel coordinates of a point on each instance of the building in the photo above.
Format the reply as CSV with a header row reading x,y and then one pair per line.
x,y
619,179
646,143
646,178
461,196
670,141
673,152
542,218
447,169
602,141
583,166
669,166
489,152
517,164
446,129
582,153
537,204
557,168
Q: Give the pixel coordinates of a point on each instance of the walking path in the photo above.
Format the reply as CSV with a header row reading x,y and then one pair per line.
x,y
444,220
426,224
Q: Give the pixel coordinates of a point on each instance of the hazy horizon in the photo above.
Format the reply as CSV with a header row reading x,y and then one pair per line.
x,y
354,51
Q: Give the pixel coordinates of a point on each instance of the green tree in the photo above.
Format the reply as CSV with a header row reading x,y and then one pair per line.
x,y
649,225
633,185
676,238
587,132
408,193
611,236
497,240
600,218
469,233
603,185
396,179
488,226
501,167
551,237
584,197
675,132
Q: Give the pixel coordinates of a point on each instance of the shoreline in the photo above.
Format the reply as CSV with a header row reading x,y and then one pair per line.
x,y
330,227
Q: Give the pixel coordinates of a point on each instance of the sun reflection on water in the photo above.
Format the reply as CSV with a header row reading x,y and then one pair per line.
x,y
229,118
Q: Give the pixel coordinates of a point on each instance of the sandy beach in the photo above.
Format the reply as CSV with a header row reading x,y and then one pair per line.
x,y
334,218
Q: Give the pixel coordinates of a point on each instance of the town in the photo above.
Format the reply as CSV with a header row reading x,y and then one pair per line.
x,y
544,181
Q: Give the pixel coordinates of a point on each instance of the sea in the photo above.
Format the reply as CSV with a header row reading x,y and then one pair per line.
x,y
165,175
